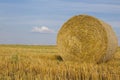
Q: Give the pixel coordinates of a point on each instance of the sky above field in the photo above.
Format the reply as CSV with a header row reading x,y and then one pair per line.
x,y
38,21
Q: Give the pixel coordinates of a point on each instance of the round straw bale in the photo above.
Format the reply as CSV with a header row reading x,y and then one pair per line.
x,y
87,39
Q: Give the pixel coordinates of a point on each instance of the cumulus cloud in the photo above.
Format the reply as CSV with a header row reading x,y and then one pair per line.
x,y
42,29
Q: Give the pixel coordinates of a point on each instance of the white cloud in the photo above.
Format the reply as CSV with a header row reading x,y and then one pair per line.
x,y
42,29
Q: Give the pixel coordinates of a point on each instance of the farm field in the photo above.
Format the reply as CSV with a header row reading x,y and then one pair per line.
x,y
28,62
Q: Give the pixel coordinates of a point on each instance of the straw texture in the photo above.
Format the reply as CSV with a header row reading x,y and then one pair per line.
x,y
86,39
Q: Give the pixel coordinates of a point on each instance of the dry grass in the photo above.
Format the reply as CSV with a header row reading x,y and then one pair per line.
x,y
87,39
40,63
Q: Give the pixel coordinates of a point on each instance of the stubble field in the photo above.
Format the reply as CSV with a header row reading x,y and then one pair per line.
x,y
28,62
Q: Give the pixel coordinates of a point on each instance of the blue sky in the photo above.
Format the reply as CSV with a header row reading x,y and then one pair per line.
x,y
38,21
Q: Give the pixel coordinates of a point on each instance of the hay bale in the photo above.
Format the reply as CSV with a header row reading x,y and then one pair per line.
x,y
87,39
